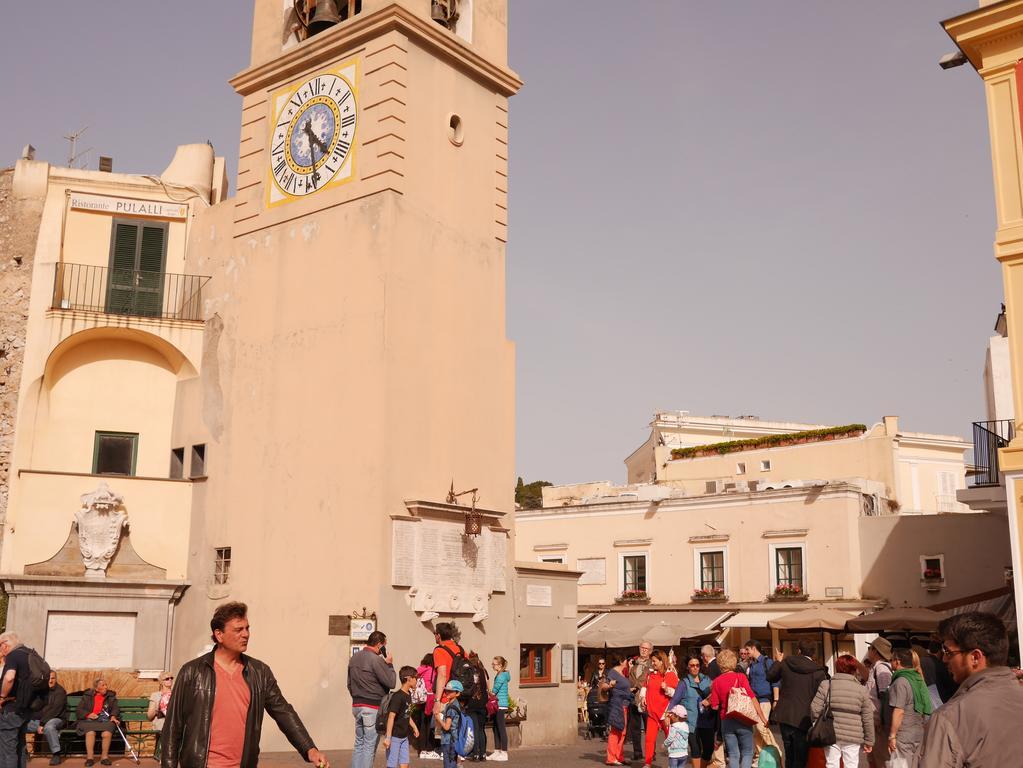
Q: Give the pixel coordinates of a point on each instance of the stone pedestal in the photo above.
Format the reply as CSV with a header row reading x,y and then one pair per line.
x,y
122,623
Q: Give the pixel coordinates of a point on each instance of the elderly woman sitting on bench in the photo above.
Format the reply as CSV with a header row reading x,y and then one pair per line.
x,y
98,711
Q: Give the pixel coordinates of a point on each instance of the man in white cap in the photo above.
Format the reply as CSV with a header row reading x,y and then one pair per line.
x,y
878,681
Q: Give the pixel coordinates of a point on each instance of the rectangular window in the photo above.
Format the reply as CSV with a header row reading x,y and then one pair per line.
x,y
222,565
534,664
932,568
114,453
198,466
740,468
712,570
788,563
765,465
559,559
177,463
138,252
633,573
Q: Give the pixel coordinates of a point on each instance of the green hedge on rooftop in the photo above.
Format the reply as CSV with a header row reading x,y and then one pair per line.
x,y
768,441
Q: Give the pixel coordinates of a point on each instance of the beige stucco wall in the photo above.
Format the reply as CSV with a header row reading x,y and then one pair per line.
x,y
824,520
90,371
975,548
552,708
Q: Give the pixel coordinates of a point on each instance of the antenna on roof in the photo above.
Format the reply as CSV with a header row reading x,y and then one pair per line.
x,y
73,156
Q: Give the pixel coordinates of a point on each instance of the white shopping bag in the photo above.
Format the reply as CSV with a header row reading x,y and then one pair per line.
x,y
897,762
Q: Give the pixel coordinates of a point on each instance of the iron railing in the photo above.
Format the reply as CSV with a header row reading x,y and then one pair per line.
x,y
988,437
128,292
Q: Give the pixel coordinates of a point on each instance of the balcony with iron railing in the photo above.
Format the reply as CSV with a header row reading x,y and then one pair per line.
x,y
131,292
988,437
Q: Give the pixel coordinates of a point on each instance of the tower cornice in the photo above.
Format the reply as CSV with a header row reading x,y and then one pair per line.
x,y
342,38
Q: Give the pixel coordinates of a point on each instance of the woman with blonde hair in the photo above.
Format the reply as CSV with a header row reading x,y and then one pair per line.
x,y
159,700
737,732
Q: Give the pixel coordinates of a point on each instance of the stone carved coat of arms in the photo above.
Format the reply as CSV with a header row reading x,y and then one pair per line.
x,y
100,521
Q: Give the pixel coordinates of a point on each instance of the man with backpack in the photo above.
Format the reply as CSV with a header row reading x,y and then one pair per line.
x,y
17,693
450,661
370,678
878,681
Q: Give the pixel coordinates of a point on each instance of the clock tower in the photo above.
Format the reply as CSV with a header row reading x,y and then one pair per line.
x,y
356,369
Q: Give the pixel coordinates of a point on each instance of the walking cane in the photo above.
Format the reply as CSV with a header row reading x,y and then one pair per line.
x,y
124,738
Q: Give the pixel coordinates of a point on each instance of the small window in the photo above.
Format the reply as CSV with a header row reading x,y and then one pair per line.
x,y
711,486
114,453
198,467
740,468
932,568
559,559
712,570
633,573
788,563
177,464
765,465
222,565
534,664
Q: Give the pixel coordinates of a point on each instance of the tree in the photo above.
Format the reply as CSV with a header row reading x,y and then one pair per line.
x,y
530,495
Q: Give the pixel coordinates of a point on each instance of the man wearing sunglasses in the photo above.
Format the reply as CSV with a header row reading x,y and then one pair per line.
x,y
980,725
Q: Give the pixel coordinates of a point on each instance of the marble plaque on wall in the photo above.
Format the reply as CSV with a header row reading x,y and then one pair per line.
x,y
90,640
447,571
594,570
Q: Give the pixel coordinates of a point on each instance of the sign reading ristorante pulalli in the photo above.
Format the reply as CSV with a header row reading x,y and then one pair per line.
x,y
128,206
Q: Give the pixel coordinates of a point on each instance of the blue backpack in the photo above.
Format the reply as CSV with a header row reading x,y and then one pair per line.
x,y
466,737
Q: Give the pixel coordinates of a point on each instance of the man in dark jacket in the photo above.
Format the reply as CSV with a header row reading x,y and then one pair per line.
x,y
370,677
799,677
48,718
215,714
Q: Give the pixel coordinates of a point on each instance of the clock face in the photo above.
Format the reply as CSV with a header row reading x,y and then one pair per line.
x,y
311,141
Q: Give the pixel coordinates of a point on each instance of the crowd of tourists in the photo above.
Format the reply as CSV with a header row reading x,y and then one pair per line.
x,y
443,705
32,701
952,704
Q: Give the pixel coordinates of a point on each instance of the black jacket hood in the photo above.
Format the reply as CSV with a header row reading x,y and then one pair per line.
x,y
802,665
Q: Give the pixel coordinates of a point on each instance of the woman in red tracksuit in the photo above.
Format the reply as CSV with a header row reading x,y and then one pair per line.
x,y
660,686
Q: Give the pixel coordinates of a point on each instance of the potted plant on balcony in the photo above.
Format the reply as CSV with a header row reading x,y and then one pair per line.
x,y
932,579
790,592
709,595
633,596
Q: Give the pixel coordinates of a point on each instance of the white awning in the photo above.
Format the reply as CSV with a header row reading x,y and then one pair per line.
x,y
625,629
753,619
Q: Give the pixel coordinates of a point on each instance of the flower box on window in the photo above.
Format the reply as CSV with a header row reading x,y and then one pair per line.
x,y
633,596
788,592
932,579
710,595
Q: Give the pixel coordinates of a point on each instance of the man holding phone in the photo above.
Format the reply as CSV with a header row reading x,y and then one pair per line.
x,y
370,677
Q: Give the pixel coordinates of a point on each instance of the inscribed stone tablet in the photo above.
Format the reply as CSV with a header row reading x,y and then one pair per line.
x,y
538,595
594,570
90,640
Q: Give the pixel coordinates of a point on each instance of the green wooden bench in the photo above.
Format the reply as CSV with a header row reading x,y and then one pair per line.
x,y
134,722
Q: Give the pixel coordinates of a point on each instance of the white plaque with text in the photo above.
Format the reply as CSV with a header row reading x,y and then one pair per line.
x,y
90,640
538,595
447,571
594,570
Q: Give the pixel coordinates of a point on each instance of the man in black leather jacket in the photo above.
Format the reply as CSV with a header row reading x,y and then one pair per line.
x,y
205,726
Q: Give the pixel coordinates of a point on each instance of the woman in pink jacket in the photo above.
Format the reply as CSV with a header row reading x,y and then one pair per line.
x,y
427,677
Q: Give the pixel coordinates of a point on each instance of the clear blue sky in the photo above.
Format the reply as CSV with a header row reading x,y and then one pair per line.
x,y
779,208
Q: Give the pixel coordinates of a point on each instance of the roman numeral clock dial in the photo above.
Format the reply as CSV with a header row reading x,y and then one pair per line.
x,y
313,135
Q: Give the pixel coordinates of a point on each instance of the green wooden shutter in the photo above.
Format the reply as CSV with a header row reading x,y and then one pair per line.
x,y
121,286
149,283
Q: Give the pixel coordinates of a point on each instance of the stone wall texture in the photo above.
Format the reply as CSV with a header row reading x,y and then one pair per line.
x,y
19,228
